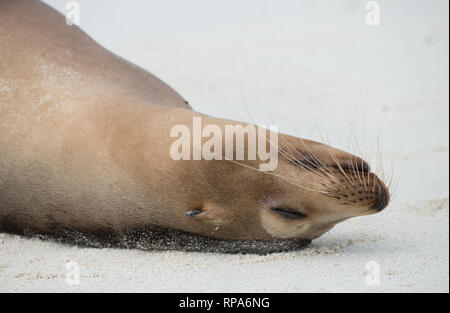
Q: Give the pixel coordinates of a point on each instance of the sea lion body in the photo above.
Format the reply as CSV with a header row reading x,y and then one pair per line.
x,y
84,147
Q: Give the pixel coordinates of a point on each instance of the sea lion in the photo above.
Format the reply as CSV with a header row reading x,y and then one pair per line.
x,y
85,154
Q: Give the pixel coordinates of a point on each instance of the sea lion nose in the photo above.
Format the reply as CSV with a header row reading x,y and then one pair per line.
x,y
384,200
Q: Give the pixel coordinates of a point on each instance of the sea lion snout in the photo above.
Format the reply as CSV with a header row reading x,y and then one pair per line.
x,y
324,186
384,198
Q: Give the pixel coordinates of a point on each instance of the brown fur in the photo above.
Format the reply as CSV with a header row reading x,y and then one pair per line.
x,y
84,145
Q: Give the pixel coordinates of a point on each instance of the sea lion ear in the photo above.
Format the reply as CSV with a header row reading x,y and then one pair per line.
x,y
193,213
207,212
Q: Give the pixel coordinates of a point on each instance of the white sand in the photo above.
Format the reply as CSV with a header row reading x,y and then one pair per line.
x,y
306,60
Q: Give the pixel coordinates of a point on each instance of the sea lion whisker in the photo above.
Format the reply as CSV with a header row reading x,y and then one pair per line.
x,y
368,178
364,136
356,149
287,155
334,197
276,175
302,164
312,154
323,182
358,171
380,160
291,158
341,169
364,181
320,133
391,175
231,109
282,152
309,161
322,166
354,169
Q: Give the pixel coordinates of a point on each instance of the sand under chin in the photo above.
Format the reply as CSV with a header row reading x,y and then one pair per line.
x,y
312,63
157,238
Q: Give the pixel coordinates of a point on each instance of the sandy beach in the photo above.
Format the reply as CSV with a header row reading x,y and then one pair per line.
x,y
311,67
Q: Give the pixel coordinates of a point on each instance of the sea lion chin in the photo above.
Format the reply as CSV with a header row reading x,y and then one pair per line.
x,y
85,157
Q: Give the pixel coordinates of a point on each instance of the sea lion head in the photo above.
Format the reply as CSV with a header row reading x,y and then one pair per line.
x,y
323,186
313,188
